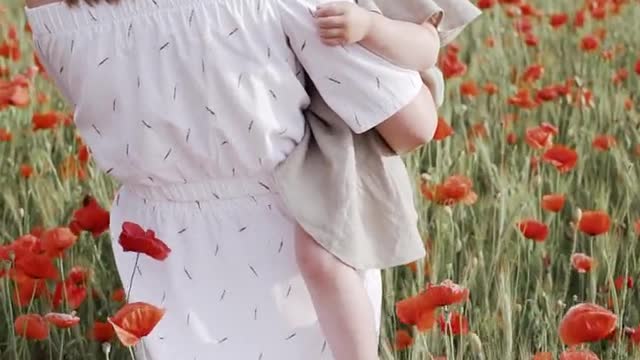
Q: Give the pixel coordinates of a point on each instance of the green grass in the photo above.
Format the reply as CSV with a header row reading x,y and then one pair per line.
x,y
516,302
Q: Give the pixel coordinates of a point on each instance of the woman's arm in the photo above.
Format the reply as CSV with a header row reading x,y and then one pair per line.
x,y
406,44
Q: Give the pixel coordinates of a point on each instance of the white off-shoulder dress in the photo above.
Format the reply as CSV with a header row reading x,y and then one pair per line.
x,y
190,105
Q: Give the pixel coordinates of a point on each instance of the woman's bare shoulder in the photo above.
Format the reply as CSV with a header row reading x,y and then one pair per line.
x,y
36,3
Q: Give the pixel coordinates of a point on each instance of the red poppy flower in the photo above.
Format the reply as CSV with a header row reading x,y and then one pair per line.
x,y
469,89
562,157
26,171
533,72
134,238
454,189
78,275
541,136
589,43
27,288
490,88
37,266
73,294
91,217
543,356
135,321
534,230
118,295
594,222
512,138
620,76
636,226
622,281
581,262
414,311
45,121
523,99
558,19
603,142
531,40
57,240
548,93
62,321
637,67
485,4
444,294
403,340
454,324
553,202
32,327
102,332
5,135
451,65
574,354
586,323
443,130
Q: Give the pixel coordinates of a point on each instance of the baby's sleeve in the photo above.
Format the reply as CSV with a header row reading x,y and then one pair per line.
x,y
363,88
449,17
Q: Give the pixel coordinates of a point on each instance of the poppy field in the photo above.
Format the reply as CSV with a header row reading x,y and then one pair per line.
x,y
529,202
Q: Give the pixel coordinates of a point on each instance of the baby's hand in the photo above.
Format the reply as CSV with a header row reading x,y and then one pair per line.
x,y
342,23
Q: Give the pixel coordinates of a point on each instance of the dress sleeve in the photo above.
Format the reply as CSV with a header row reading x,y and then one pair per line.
x,y
363,88
449,17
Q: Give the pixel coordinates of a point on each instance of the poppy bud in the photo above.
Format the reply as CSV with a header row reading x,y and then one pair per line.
x,y
577,215
476,344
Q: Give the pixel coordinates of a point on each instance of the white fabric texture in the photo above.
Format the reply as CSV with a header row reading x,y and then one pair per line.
x,y
190,105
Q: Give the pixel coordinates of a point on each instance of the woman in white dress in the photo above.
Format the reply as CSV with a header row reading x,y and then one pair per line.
x,y
190,105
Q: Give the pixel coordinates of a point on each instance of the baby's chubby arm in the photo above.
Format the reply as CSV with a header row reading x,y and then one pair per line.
x,y
409,45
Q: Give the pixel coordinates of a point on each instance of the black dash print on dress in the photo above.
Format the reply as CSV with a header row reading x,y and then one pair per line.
x,y
251,125
109,171
224,143
223,340
129,30
210,111
254,199
114,104
260,356
215,195
146,124
264,185
188,134
73,43
155,3
240,79
288,292
233,31
92,16
164,46
233,172
203,66
378,82
127,151
193,12
253,270
175,91
355,117
199,206
164,296
304,45
188,275
103,61
260,161
184,180
268,53
138,82
242,229
324,347
334,80
188,318
217,249
290,336
224,292
182,231
168,153
283,132
151,179
96,129
61,69
280,247
255,314
118,200
273,94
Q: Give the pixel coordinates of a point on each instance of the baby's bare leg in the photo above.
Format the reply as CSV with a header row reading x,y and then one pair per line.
x,y
340,299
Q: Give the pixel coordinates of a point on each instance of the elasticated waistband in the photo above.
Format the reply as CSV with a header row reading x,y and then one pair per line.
x,y
223,189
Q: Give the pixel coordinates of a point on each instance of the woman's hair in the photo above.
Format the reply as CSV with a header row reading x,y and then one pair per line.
x,y
90,2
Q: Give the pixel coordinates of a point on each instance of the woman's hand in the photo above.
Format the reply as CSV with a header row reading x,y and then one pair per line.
x,y
342,23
